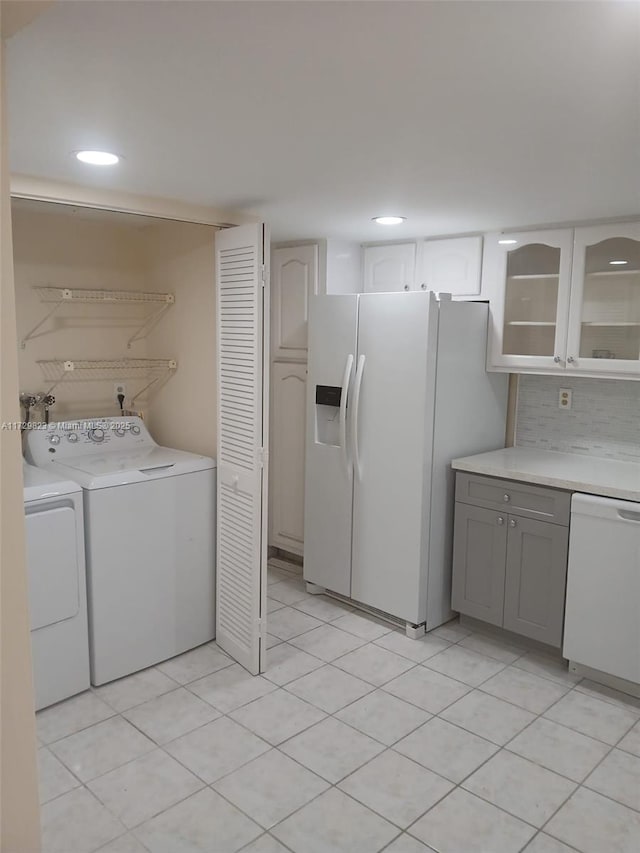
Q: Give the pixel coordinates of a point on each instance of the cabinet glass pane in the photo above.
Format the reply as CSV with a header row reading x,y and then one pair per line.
x,y
531,300
610,322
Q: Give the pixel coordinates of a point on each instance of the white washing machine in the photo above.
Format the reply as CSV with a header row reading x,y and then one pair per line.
x,y
57,585
149,539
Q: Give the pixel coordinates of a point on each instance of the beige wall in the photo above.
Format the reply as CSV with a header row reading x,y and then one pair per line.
x,y
60,246
96,198
19,812
17,14
182,413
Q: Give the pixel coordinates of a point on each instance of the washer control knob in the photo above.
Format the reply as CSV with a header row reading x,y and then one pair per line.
x,y
120,431
72,437
96,435
135,429
54,439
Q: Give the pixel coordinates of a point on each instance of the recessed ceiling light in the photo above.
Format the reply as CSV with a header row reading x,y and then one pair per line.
x,y
507,242
97,158
389,220
618,263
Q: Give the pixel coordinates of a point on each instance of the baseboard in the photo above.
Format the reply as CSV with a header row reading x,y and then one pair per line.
x,y
509,636
613,681
284,564
364,608
286,556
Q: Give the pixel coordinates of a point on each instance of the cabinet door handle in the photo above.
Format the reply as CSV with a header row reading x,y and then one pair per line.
x,y
500,520
557,359
571,360
506,498
423,286
406,287
513,523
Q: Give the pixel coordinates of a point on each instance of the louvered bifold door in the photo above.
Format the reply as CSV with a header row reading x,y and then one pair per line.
x,y
242,339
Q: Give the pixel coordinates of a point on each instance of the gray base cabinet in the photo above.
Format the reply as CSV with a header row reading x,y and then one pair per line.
x,y
510,555
535,579
480,545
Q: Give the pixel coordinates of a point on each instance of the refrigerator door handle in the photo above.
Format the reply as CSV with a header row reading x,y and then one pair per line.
x,y
346,379
356,413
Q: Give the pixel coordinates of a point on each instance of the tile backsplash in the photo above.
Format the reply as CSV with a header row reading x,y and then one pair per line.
x,y
604,419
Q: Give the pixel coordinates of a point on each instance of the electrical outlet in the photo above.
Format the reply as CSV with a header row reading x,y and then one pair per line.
x,y
564,398
120,389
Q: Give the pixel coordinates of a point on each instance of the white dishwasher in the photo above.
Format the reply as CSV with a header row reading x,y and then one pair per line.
x,y
602,618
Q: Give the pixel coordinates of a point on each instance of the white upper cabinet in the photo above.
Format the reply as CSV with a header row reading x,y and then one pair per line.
x,y
389,268
529,278
565,302
452,266
294,279
604,318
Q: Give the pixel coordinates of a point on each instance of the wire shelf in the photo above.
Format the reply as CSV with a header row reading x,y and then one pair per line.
x,y
76,294
155,370
59,296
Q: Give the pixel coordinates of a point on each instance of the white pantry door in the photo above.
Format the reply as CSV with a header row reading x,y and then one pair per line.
x,y
242,302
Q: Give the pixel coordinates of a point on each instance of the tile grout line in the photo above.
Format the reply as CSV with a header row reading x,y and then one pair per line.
x,y
569,687
459,785
80,782
255,840
455,785
385,747
161,747
500,747
578,785
223,714
540,832
331,784
591,772
83,727
504,747
608,700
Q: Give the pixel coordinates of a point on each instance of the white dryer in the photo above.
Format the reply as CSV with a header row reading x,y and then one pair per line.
x,y
57,585
149,537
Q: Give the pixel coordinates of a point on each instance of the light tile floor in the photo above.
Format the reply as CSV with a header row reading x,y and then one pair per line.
x,y
356,740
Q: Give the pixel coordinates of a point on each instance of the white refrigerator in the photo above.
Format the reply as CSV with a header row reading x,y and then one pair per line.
x,y
397,388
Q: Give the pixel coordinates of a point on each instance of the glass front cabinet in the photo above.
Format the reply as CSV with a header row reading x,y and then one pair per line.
x,y
532,274
604,317
566,301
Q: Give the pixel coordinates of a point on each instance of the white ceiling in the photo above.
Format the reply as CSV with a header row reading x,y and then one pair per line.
x,y
462,116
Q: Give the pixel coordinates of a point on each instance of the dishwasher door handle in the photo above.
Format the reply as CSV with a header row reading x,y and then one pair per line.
x,y
611,509
627,515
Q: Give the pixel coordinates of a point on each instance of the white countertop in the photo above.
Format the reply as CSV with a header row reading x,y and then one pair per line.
x,y
572,471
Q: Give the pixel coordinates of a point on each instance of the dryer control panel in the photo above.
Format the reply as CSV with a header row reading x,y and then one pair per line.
x,y
68,439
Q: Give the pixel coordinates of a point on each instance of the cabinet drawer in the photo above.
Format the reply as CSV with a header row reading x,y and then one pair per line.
x,y
539,502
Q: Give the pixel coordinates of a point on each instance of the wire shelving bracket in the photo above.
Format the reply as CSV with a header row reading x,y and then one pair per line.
x,y
156,370
58,296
